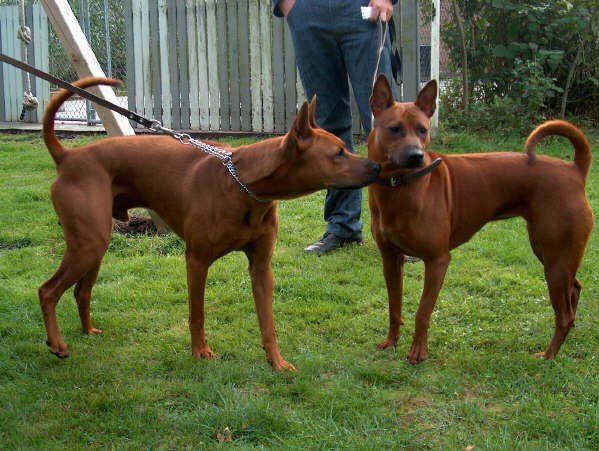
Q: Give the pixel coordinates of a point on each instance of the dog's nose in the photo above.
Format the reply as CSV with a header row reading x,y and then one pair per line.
x,y
415,156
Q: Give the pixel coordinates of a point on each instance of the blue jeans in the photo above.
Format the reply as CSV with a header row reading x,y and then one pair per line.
x,y
332,42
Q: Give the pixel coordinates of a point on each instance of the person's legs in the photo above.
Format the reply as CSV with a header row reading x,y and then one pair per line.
x,y
323,72
359,45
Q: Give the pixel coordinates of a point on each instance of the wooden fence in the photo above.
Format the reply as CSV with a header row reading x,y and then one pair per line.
x,y
201,65
212,65
12,80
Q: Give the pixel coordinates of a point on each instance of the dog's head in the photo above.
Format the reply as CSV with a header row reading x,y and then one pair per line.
x,y
317,159
400,132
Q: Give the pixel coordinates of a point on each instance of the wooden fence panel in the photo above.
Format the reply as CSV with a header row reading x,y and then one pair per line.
x,y
255,64
3,67
203,86
266,54
138,56
40,51
145,55
223,65
290,81
182,64
244,65
211,44
173,64
210,65
155,62
278,69
165,74
192,61
12,77
234,80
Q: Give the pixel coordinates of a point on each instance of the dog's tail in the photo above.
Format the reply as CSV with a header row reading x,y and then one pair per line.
x,y
54,146
582,148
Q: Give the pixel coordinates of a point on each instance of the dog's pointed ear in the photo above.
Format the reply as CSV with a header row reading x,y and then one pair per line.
x,y
300,131
427,98
312,112
301,128
382,95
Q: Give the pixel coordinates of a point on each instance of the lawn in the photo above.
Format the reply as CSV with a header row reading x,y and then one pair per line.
x,y
137,386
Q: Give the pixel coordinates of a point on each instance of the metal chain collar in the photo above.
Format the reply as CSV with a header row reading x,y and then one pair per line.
x,y
220,154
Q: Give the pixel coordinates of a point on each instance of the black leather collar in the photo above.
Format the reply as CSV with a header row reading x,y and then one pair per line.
x,y
406,178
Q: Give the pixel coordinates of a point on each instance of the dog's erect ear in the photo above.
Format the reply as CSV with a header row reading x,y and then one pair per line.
x,y
382,95
301,128
312,112
299,132
427,98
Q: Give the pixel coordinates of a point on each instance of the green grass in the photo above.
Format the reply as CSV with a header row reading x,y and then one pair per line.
x,y
136,385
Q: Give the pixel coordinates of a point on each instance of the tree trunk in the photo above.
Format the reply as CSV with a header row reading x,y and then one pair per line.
x,y
460,24
569,80
575,62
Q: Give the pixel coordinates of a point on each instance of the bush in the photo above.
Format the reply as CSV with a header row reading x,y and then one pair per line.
x,y
521,57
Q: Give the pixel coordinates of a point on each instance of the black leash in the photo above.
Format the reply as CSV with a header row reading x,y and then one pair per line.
x,y
406,178
222,155
148,123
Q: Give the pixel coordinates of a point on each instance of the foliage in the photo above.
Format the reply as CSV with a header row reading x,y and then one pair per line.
x,y
520,54
136,386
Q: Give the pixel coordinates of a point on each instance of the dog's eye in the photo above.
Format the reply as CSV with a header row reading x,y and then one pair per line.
x,y
396,129
422,130
340,152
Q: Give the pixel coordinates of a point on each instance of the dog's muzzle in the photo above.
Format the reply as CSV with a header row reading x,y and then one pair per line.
x,y
409,157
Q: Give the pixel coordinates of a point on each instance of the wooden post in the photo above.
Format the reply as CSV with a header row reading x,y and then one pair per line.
x,y
410,43
86,64
83,59
435,43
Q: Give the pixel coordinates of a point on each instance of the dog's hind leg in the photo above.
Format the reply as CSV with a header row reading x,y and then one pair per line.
x,y
559,282
575,294
83,294
84,213
75,264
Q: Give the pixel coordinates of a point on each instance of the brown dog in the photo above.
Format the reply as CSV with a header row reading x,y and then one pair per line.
x,y
436,212
197,197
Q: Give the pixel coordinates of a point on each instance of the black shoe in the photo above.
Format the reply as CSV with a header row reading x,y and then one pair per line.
x,y
330,242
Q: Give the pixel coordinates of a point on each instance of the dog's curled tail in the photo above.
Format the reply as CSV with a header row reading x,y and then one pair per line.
x,y
54,146
582,148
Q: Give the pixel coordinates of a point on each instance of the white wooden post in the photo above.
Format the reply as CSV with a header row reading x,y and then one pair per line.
x,y
435,43
80,53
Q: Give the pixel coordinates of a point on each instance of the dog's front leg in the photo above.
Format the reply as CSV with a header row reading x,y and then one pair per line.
x,y
434,273
393,271
259,255
197,270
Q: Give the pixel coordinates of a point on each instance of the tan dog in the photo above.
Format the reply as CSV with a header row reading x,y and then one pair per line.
x,y
436,212
198,199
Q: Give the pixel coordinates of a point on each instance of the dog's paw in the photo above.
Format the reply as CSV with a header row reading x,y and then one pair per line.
x,y
418,353
387,343
546,355
60,350
282,365
93,331
204,353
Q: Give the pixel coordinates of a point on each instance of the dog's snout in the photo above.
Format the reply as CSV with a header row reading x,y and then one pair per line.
x,y
415,156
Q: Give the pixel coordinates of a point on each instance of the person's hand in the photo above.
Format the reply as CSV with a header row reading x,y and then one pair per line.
x,y
380,8
285,6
